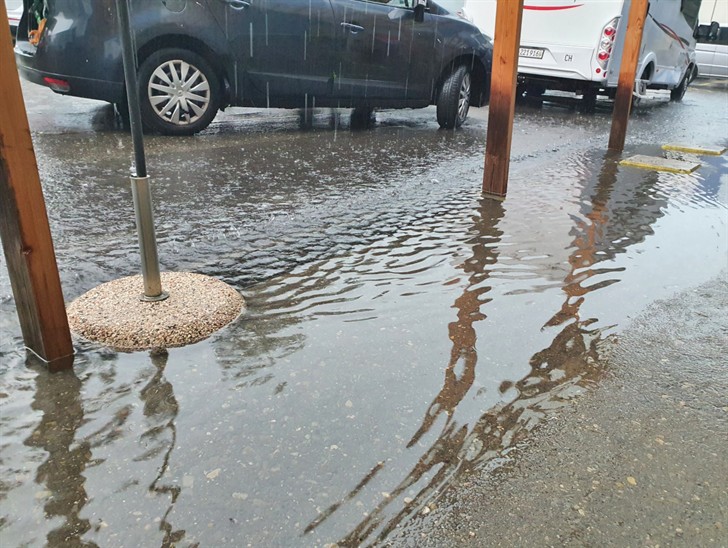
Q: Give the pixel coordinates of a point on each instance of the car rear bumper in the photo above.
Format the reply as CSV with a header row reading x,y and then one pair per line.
x,y
112,92
31,68
559,61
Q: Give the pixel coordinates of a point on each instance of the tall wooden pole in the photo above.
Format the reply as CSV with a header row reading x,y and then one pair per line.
x,y
502,97
627,74
24,229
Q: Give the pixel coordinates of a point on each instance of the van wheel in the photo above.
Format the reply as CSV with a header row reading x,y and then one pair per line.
x,y
179,92
362,118
453,102
589,101
678,93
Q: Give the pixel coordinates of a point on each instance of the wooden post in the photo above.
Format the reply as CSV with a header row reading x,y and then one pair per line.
x,y
24,229
502,97
627,74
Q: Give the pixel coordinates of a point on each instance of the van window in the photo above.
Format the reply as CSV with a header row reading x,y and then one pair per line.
x,y
689,10
722,39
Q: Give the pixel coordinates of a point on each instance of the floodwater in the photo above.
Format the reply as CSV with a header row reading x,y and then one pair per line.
x,y
400,328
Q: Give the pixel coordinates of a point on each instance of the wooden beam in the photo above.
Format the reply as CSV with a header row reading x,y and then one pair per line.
x,y
24,229
627,74
507,40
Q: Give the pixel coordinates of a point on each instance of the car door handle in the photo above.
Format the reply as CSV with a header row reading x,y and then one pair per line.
x,y
237,4
352,28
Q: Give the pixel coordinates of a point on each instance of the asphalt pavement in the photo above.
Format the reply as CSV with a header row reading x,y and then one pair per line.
x,y
417,365
639,461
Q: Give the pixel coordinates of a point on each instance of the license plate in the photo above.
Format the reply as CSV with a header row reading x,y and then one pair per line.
x,y
532,53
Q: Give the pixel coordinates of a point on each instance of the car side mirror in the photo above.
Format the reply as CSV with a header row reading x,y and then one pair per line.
x,y
707,33
701,33
420,7
714,30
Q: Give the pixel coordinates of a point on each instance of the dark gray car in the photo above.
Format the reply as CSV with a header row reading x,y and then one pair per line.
x,y
196,57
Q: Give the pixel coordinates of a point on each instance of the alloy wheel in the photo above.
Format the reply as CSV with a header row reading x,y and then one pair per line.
x,y
179,93
464,99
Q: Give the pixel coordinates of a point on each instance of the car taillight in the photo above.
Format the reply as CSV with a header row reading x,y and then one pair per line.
x,y
61,86
606,43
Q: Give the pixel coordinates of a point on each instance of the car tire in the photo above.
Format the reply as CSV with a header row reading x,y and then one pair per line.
x,y
121,112
678,93
362,118
179,92
453,102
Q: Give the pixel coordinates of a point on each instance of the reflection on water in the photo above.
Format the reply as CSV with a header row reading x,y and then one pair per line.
x,y
557,372
58,398
160,410
396,344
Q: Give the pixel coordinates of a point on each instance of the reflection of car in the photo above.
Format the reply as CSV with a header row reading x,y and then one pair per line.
x,y
14,13
198,56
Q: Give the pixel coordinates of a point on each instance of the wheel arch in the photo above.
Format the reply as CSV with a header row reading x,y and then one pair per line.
x,y
648,68
480,79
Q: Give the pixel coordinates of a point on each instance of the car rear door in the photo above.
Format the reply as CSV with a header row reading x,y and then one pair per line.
x,y
283,52
384,53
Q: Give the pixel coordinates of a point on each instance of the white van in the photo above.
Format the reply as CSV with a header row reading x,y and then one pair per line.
x,y
576,45
711,51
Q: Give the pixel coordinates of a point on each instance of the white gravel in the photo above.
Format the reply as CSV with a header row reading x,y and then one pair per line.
x,y
113,314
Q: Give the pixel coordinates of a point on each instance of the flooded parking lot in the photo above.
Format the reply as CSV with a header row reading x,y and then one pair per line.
x,y
400,329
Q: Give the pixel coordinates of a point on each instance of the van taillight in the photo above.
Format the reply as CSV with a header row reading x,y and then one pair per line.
x,y
606,43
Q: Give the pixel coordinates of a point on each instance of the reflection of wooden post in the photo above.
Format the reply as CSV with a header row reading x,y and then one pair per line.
x,y
627,74
24,228
502,96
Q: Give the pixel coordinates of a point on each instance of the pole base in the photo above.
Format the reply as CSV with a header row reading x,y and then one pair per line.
x,y
163,296
113,315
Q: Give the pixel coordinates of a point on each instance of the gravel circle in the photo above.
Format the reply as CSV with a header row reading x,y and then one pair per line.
x,y
113,314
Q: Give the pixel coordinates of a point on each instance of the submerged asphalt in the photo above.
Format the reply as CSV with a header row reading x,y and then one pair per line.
x,y
416,365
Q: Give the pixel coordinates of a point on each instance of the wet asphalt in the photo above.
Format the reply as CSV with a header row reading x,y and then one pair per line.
x,y
417,365
640,461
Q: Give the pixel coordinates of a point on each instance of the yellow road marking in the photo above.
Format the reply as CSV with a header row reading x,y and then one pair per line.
x,y
660,164
711,151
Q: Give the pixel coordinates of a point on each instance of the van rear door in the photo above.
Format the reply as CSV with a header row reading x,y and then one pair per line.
x,y
559,38
568,32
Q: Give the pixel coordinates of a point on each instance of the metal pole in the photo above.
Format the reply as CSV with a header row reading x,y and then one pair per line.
x,y
132,86
141,191
142,195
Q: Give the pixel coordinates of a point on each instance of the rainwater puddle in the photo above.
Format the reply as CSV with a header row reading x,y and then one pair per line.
x,y
400,330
